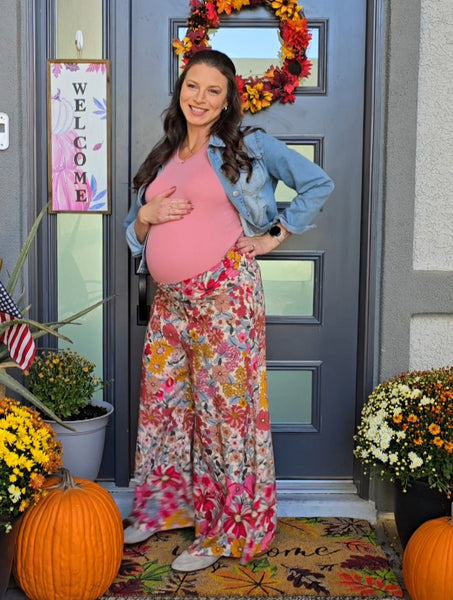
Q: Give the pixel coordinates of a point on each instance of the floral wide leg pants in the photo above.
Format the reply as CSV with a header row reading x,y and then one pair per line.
x,y
204,451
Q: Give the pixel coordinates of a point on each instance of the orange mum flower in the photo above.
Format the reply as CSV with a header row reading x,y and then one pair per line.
x,y
439,442
397,418
434,429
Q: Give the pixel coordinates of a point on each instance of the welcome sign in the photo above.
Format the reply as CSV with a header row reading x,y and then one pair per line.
x,y
79,135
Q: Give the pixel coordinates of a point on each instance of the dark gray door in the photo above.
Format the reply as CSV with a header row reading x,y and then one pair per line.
x,y
311,281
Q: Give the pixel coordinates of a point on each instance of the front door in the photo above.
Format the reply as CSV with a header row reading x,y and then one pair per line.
x,y
312,281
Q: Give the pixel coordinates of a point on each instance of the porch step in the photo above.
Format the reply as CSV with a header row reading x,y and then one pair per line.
x,y
322,498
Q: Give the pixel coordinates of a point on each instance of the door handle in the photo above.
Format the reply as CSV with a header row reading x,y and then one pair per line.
x,y
143,307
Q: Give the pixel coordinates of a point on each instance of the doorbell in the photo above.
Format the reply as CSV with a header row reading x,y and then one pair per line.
x,y
4,131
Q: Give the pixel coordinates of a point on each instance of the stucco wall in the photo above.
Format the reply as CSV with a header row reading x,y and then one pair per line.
x,y
399,288
431,338
14,168
416,324
433,240
431,341
417,267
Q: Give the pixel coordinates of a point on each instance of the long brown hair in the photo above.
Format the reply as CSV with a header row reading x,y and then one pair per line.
x,y
227,126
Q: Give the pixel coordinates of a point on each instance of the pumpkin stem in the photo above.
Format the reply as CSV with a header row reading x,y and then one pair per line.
x,y
67,480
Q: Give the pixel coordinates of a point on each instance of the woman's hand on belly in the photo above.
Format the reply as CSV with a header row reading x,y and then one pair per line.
x,y
162,208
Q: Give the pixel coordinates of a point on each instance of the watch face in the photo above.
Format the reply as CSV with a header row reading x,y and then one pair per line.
x,y
275,231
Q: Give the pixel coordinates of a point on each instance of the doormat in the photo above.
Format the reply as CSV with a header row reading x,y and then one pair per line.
x,y
311,558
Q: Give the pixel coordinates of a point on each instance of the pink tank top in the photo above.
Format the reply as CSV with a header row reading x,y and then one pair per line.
x,y
185,248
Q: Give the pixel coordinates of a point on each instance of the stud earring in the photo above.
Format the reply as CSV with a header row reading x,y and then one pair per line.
x,y
225,108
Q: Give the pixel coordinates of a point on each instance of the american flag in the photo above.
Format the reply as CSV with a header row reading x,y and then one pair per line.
x,y
17,338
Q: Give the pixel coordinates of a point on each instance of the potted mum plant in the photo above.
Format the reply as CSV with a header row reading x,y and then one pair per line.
x,y
29,453
406,436
7,381
65,382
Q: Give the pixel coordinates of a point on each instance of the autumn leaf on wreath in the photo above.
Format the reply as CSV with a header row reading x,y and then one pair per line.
x,y
225,6
366,585
308,579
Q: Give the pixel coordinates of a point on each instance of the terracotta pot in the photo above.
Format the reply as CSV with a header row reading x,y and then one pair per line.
x,y
418,504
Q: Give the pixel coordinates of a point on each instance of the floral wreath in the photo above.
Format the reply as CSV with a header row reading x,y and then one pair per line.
x,y
277,83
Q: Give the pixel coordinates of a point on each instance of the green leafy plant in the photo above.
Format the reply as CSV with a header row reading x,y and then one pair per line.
x,y
64,381
406,429
29,452
37,329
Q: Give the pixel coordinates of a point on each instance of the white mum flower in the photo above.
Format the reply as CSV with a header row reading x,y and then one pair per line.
x,y
14,493
404,389
377,452
425,401
416,461
393,458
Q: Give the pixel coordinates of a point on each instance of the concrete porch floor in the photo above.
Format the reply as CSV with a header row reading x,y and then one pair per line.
x,y
322,499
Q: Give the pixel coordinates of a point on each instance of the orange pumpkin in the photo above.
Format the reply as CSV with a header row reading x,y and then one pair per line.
x,y
428,561
70,544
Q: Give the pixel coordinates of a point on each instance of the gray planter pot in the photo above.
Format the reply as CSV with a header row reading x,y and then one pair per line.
x,y
83,448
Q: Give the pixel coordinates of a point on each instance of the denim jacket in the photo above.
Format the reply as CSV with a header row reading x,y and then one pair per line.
x,y
255,199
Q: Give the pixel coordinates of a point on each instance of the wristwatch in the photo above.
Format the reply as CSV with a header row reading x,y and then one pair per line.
x,y
277,232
